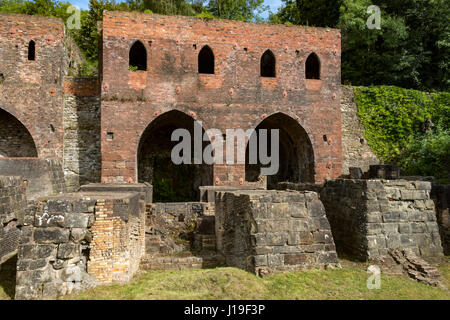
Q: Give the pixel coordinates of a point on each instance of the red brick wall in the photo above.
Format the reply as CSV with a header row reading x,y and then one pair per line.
x,y
32,90
234,97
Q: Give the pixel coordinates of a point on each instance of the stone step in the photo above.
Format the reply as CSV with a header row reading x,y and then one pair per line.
x,y
171,262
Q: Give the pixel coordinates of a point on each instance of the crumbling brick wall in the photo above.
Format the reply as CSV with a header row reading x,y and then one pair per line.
x,y
76,241
31,90
269,231
370,217
235,96
13,202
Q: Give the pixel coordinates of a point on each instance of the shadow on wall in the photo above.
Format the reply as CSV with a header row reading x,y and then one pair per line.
x,y
8,279
295,150
15,139
171,183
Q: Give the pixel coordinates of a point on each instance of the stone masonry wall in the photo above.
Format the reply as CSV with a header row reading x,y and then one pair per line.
x,y
270,231
355,150
76,241
441,196
370,217
13,202
43,176
82,158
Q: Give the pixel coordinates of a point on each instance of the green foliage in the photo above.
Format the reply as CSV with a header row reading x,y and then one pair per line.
x,y
88,68
205,15
429,155
169,7
241,10
412,49
394,118
317,13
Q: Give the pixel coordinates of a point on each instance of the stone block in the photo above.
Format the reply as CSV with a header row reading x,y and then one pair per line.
x,y
68,250
77,220
51,235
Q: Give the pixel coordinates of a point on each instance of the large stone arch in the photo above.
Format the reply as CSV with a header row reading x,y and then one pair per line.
x,y
171,182
15,139
295,149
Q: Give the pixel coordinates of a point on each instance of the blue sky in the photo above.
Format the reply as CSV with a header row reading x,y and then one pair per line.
x,y
274,4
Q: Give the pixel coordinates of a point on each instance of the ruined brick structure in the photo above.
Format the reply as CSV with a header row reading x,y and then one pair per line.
x,y
85,168
171,91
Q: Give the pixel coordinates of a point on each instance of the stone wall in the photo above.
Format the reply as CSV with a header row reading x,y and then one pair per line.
x,y
441,196
76,241
270,231
370,217
82,158
43,176
13,203
355,150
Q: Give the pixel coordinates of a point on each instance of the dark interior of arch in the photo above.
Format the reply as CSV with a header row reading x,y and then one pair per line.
x,y
296,153
206,61
268,64
15,140
31,50
312,67
171,183
138,56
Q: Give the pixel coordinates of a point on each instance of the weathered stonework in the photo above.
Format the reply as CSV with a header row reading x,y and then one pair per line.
x,y
369,217
42,177
441,196
82,159
355,150
77,241
13,203
271,231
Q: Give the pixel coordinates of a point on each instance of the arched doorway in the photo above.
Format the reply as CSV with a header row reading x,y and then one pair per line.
x,y
15,139
171,182
295,152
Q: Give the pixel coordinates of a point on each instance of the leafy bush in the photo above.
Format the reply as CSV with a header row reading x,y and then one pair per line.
x,y
429,155
397,123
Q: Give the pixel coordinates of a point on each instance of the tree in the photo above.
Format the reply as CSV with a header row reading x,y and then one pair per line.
x,y
241,10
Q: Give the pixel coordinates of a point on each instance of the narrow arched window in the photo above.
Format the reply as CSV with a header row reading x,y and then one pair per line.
x,y
268,64
31,50
206,61
312,67
138,56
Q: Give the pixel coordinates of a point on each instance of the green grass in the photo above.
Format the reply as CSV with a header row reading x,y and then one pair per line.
x,y
231,283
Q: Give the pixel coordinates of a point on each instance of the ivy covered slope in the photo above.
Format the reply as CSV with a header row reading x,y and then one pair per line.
x,y
407,127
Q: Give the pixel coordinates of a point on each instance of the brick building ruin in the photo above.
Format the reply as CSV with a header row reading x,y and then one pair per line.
x,y
89,194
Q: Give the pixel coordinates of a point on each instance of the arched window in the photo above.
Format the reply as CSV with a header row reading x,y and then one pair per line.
x,y
268,64
206,61
31,50
312,67
138,56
